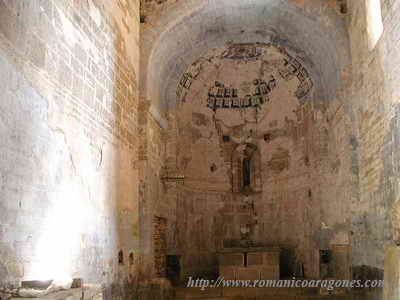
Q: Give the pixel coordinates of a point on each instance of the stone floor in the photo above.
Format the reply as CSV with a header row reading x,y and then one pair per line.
x,y
270,294
88,292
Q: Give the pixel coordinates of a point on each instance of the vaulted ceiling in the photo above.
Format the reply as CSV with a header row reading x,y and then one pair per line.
x,y
175,35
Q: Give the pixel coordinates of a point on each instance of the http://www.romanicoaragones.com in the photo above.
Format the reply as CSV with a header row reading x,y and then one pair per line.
x,y
287,283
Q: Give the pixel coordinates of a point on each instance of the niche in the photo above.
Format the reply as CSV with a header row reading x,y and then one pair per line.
x,y
246,169
173,268
226,138
287,262
325,257
120,257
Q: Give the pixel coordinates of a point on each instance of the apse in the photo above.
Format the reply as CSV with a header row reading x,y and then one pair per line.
x,y
187,32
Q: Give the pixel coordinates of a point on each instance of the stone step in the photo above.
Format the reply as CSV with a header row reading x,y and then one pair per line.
x,y
219,298
254,294
235,292
274,297
188,293
271,294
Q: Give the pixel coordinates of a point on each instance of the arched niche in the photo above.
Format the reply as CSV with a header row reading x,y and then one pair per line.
x,y
246,169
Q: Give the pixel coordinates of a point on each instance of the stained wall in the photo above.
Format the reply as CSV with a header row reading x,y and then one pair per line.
x,y
68,122
374,95
262,94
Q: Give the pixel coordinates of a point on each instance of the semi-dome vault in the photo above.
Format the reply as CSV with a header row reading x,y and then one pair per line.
x,y
243,76
311,36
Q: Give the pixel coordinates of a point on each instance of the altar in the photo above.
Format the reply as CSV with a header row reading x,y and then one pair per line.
x,y
255,263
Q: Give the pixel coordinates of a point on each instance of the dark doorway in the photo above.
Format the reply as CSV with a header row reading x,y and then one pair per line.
x,y
325,258
287,262
173,269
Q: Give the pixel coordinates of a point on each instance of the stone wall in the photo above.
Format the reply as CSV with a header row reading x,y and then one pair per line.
x,y
304,181
375,97
160,246
308,143
68,122
152,190
350,188
76,140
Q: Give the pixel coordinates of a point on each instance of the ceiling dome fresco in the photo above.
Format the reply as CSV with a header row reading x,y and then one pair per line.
x,y
243,76
187,31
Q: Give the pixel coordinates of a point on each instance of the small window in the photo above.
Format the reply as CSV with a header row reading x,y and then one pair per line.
x,y
374,22
267,137
325,256
121,257
343,7
213,168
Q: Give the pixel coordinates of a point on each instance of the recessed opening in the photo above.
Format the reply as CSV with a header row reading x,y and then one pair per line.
x,y
226,138
77,283
173,268
325,256
343,8
131,259
121,257
342,5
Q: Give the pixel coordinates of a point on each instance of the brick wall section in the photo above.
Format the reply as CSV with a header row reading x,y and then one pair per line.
x,y
67,41
154,199
160,245
374,97
306,172
68,121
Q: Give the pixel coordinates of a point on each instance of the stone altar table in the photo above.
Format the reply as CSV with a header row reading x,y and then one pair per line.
x,y
255,263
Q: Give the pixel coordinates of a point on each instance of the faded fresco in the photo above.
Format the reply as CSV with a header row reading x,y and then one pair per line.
x,y
256,148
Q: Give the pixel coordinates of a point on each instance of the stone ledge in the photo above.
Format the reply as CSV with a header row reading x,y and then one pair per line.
x,y
88,292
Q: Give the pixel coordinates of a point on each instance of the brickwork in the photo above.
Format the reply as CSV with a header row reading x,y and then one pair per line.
x,y
84,158
160,246
305,155
106,82
375,100
350,192
153,200
68,115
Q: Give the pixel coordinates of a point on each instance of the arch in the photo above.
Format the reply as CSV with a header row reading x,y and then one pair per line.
x,y
249,153
171,42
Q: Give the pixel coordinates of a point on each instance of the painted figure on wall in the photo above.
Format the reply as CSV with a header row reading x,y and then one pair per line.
x,y
246,171
247,167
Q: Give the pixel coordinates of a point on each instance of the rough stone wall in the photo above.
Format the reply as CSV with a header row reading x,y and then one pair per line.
x,y
375,97
153,204
160,246
263,95
323,140
173,39
153,7
151,10
68,192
